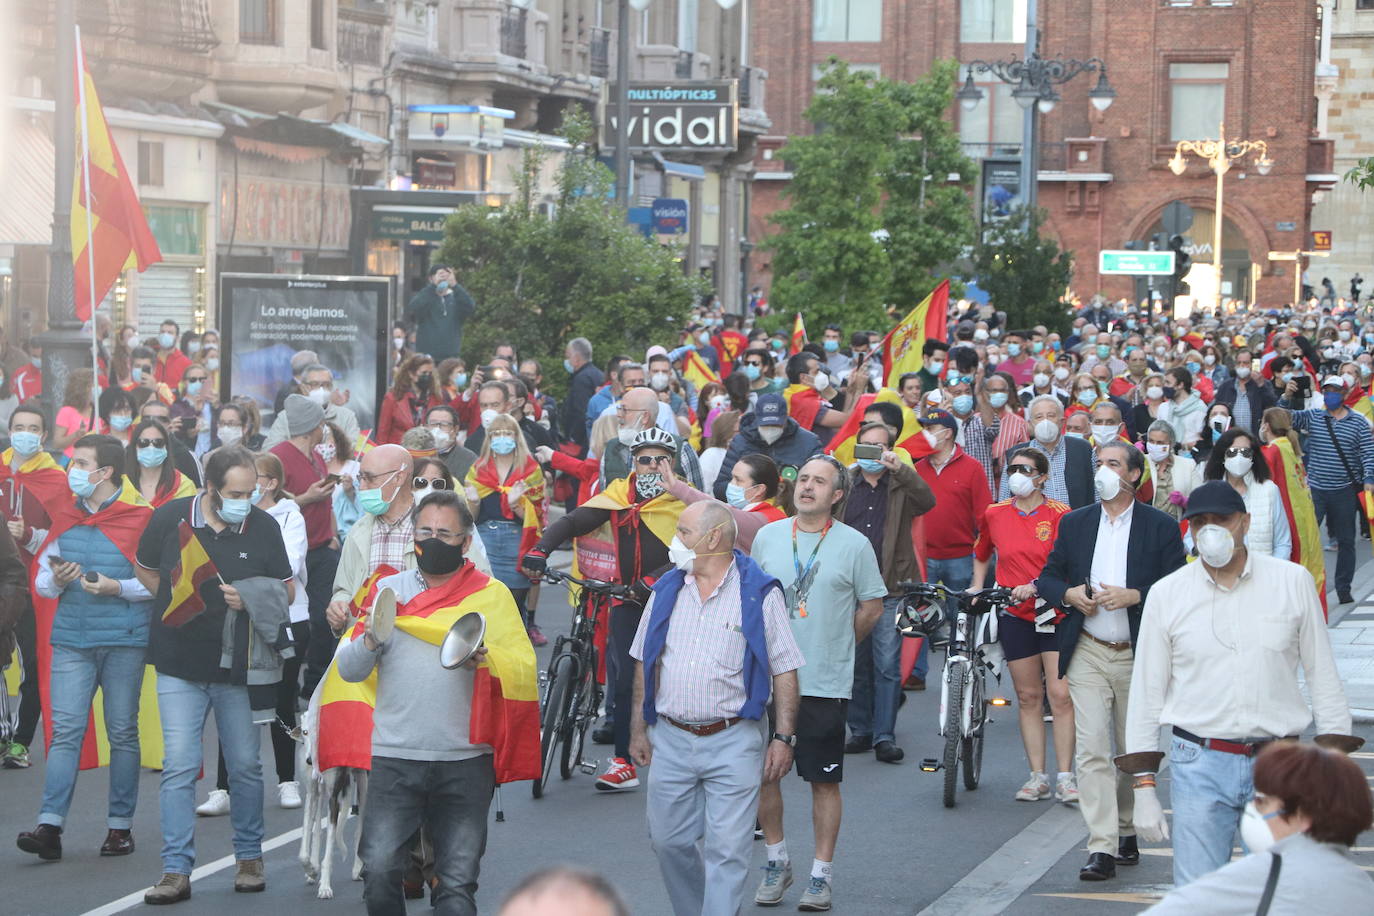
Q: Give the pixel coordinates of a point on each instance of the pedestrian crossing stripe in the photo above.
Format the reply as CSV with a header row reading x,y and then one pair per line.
x,y
1124,897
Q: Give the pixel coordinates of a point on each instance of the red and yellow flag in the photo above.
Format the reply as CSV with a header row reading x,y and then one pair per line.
x,y
110,234
902,345
194,569
798,334
842,443
363,443
486,480
697,371
1287,471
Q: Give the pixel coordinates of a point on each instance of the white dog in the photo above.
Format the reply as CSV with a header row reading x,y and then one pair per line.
x,y
327,799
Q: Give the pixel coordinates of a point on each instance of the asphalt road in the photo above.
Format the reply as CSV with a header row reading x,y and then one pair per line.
x,y
900,850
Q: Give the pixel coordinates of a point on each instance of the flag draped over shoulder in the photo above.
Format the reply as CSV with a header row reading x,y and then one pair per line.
x,y
798,334
697,371
842,444
902,345
505,696
1286,468
113,235
122,521
485,478
659,513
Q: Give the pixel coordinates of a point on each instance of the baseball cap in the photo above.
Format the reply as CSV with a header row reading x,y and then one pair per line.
x,y
1334,380
770,410
940,418
1215,497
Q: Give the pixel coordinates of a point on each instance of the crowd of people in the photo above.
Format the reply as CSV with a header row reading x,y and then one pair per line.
x,y
1146,485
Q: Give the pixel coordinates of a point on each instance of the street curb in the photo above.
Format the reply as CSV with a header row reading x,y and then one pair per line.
x,y
1362,716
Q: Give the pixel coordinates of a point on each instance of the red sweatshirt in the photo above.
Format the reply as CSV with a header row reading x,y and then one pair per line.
x,y
961,498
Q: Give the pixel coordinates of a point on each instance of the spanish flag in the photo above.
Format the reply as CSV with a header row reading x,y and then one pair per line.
x,y
842,444
697,371
363,443
798,334
122,521
181,486
194,569
1287,470
659,514
486,480
902,345
505,696
109,231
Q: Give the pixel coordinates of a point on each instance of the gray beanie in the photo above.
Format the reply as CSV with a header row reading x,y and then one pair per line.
x,y
302,415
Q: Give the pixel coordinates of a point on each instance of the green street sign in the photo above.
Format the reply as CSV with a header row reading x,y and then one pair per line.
x,y
1159,263
409,225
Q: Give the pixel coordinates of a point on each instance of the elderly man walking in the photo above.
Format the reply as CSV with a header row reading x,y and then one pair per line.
x,y
714,639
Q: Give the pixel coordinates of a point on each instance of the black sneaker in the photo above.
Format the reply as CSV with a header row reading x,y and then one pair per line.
x,y
858,745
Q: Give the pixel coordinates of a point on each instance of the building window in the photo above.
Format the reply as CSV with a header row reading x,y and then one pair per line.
x,y
992,20
1197,99
994,127
847,20
687,25
258,22
317,15
150,163
1364,4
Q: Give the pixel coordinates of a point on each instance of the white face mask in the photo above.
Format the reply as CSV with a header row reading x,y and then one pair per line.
x,y
932,438
1242,372
422,493
1046,431
1209,359
821,381
1061,373
1154,392
229,435
398,343
720,402
626,435
1157,452
1238,465
980,334
1020,485
680,555
1040,379
659,381
770,434
1215,546
442,437
489,415
320,396
1108,484
1254,831
1103,434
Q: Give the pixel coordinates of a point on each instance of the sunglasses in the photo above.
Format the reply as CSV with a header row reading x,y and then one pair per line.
x,y
437,483
151,443
1027,469
645,461
1236,452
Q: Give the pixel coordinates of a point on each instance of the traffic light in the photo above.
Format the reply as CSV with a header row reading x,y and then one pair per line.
x,y
1183,262
1159,241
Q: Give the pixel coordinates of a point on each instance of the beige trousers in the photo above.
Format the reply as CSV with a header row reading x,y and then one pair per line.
x,y
1100,685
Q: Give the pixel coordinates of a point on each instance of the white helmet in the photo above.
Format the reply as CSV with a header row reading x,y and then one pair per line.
x,y
656,438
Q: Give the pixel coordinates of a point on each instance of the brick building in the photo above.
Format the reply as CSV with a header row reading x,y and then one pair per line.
x,y
1179,67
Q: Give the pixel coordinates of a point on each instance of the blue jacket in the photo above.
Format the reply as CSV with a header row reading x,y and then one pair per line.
x,y
792,450
754,583
86,621
1154,549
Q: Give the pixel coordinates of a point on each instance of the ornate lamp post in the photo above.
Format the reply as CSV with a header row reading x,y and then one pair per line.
x,y
1219,154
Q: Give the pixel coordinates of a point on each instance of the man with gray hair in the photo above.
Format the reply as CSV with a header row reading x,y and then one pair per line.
x,y
583,381
638,410
299,361
317,384
713,642
1072,461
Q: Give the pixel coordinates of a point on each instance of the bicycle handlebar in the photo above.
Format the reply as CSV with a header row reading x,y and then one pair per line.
x,y
598,586
987,596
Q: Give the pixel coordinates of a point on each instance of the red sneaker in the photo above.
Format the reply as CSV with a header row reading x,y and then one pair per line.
x,y
620,774
537,638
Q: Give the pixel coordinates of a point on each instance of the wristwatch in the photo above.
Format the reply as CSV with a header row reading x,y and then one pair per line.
x,y
789,740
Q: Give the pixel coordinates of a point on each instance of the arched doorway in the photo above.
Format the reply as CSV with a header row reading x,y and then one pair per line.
x,y
1236,267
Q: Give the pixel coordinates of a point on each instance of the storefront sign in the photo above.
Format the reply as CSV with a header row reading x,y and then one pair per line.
x,y
267,318
1286,226
670,215
1321,240
679,116
408,225
284,213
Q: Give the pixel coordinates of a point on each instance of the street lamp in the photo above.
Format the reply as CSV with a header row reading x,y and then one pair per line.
x,y
1219,154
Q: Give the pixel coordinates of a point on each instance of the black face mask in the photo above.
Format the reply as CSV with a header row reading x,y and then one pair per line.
x,y
1169,392
438,558
424,380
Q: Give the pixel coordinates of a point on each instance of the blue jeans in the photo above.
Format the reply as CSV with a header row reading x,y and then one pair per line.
x,y
877,678
1208,790
1339,508
450,799
184,706
955,574
76,673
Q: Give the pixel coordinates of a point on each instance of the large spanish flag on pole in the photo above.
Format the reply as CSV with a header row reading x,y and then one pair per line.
x,y
109,232
902,345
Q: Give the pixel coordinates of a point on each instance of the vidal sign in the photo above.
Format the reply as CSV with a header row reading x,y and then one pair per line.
x,y
679,116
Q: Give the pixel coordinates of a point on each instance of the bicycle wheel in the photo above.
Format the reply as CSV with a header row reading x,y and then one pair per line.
x,y
954,708
575,726
555,714
973,744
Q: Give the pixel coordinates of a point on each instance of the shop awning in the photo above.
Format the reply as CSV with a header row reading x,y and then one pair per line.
x,y
26,186
680,169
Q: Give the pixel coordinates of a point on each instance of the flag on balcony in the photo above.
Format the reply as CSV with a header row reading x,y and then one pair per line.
x,y
109,231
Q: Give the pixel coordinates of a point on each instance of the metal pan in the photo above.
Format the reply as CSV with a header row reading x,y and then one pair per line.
x,y
462,640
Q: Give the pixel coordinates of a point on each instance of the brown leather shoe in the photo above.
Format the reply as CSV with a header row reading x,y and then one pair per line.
x,y
45,841
914,683
248,879
171,888
117,843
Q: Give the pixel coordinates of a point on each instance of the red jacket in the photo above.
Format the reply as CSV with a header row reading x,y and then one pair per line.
x,y
961,499
171,368
398,416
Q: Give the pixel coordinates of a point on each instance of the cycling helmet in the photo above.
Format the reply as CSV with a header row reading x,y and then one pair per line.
x,y
920,616
656,438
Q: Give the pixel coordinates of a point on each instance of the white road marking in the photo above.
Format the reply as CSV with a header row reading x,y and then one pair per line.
x,y
134,899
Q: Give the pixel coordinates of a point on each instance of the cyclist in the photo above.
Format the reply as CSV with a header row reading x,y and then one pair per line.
x,y
644,517
1021,531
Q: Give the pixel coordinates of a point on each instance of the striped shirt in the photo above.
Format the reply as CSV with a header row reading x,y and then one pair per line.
x,y
1325,470
389,542
701,670
1055,487
988,444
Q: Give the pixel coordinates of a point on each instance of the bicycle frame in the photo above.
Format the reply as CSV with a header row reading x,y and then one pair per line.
x,y
968,658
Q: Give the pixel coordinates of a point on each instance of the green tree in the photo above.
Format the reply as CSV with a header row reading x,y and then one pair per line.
x,y
584,272
864,229
1362,175
1024,273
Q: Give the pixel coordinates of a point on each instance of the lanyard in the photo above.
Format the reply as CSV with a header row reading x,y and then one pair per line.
x,y
802,584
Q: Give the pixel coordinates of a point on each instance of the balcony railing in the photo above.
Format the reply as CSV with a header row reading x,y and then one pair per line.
x,y
601,52
683,71
1054,157
513,32
360,41
181,24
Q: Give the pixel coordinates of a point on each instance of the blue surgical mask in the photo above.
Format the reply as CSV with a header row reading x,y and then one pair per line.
x,y
734,495
503,445
121,422
460,379
257,495
136,374
234,511
1013,349
1332,399
567,364
79,479
442,286
778,344
1103,351
831,346
1193,366
963,403
870,465
1087,397
165,340
26,443
1037,346
152,456
998,398
704,337
193,388
752,372
371,501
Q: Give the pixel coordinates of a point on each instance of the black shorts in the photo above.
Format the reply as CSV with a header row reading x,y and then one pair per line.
x,y
821,722
1019,639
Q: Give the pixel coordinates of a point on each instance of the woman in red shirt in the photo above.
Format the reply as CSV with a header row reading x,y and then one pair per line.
x,y
1021,531
412,394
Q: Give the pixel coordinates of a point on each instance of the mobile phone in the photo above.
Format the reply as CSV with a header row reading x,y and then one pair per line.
x,y
1304,385
333,478
54,558
868,451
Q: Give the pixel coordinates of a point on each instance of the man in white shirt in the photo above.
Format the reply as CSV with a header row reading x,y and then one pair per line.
x,y
1217,659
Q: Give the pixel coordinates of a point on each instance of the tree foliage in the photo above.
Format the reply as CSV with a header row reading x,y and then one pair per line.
x,y
584,272
1024,273
872,216
1362,175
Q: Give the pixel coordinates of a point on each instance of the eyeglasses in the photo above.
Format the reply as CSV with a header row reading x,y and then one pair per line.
x,y
1027,469
385,478
754,362
437,483
1237,452
645,461
443,534
198,378
151,443
441,424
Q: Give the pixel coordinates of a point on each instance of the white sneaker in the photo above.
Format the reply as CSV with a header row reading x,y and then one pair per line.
x,y
217,805
1067,790
289,794
1035,789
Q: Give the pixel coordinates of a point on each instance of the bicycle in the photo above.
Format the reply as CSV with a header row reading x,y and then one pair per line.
x,y
973,653
572,696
